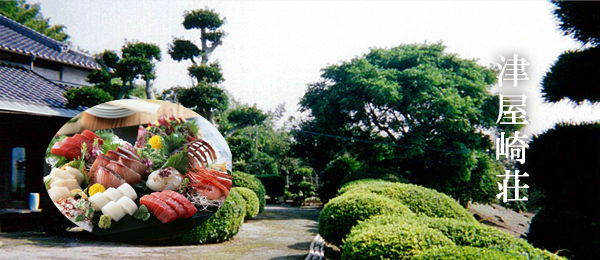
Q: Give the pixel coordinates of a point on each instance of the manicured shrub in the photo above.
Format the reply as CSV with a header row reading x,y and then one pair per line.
x,y
343,212
86,97
222,226
373,173
395,240
242,179
274,184
252,203
467,253
469,234
420,200
334,173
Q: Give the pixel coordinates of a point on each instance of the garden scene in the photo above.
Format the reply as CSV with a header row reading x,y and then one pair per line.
x,y
393,152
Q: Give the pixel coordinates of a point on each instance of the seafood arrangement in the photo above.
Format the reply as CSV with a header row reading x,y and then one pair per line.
x,y
170,173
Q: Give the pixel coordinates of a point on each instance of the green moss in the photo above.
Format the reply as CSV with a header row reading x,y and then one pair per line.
x,y
420,200
252,203
343,212
222,226
242,179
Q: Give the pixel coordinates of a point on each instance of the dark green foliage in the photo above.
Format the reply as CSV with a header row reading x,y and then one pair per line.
x,y
579,19
252,203
210,73
394,241
467,253
414,109
420,200
202,19
204,99
374,172
222,226
30,15
342,213
244,116
242,179
274,184
573,76
183,50
334,174
86,97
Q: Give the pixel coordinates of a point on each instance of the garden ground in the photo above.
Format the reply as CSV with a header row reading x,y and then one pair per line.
x,y
280,232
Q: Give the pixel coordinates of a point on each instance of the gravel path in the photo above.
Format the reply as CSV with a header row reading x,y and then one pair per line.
x,y
280,232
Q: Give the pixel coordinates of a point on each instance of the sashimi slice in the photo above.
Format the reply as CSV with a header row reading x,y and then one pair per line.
x,y
70,184
69,151
158,208
114,155
174,120
162,120
130,148
107,178
71,141
142,137
183,201
101,160
82,139
136,166
91,135
125,172
181,212
127,153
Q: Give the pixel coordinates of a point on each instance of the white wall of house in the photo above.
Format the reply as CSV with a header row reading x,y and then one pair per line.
x,y
47,73
75,76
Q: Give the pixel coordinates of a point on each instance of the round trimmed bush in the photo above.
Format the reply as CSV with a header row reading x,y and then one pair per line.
x,y
252,203
467,253
420,200
395,240
373,172
221,226
343,212
242,179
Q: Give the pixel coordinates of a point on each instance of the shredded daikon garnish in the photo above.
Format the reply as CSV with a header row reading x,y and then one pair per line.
x,y
200,201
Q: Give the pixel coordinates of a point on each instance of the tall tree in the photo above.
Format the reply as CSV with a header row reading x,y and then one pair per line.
x,y
137,61
563,162
31,16
413,108
205,97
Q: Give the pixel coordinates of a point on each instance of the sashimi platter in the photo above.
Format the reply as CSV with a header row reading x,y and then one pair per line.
x,y
139,182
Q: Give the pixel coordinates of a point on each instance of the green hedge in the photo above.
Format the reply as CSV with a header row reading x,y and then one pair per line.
x,y
341,213
396,240
252,203
373,172
274,184
242,179
420,200
467,253
222,226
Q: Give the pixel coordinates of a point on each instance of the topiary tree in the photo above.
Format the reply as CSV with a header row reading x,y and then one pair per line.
x,y
560,161
342,213
221,226
333,175
242,179
420,200
252,203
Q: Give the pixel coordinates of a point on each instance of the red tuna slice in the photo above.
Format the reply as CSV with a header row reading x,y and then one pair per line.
x,y
125,172
107,178
162,120
191,209
158,208
101,160
181,212
66,150
82,139
91,135
136,166
115,155
73,142
173,120
142,137
127,153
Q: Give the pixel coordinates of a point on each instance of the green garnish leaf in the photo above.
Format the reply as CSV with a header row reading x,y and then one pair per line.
x,y
47,183
89,211
146,217
80,204
178,161
193,127
79,218
183,185
142,213
172,142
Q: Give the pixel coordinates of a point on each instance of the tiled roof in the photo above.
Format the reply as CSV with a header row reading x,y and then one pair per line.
x,y
18,38
25,91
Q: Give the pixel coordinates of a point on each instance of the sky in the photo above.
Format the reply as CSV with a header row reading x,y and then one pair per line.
x,y
274,49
